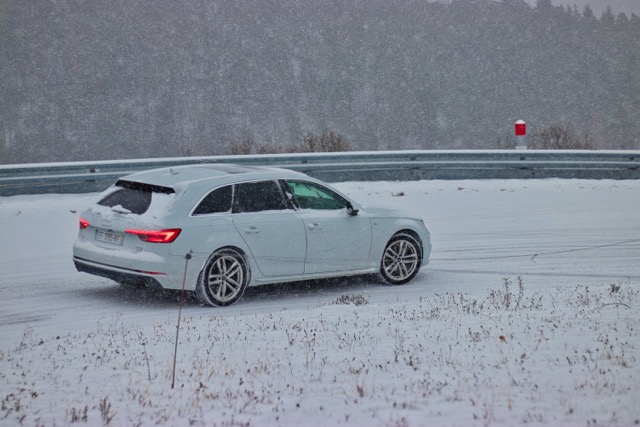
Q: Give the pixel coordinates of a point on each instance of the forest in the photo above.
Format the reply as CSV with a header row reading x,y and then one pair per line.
x,y
87,80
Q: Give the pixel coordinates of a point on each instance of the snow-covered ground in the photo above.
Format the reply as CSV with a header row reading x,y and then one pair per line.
x,y
527,314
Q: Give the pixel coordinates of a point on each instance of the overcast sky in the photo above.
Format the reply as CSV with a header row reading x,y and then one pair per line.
x,y
626,6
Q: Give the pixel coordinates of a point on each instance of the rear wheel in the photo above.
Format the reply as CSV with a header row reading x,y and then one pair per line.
x,y
401,259
224,278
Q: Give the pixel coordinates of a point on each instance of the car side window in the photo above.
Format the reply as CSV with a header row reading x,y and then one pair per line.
x,y
309,195
258,197
217,201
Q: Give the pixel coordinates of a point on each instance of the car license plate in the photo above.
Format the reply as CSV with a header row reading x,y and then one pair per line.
x,y
110,237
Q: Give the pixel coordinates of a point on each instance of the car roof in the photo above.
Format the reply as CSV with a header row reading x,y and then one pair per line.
x,y
209,174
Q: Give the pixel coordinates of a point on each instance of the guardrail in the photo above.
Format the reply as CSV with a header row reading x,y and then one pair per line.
x,y
86,177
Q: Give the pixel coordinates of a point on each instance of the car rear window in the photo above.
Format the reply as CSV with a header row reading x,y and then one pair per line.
x,y
133,196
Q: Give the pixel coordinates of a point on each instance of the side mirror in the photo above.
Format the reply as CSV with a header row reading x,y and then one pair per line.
x,y
351,210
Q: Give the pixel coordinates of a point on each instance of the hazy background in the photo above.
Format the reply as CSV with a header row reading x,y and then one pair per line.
x,y
85,80
598,6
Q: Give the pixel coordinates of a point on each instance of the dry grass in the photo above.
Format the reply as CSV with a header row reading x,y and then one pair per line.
x,y
569,357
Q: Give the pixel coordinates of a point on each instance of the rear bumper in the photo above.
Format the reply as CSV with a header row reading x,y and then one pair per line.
x,y
118,274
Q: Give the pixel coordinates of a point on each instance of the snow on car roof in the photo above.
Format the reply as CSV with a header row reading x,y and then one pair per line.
x,y
184,175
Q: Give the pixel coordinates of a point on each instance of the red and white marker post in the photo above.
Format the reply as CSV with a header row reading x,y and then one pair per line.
x,y
521,135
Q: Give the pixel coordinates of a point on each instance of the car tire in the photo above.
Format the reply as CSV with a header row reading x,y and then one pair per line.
x,y
401,259
224,278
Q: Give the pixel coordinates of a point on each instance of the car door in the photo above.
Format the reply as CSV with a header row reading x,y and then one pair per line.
x,y
336,240
271,228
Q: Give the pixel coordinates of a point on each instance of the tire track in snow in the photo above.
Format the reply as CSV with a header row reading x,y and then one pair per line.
x,y
41,292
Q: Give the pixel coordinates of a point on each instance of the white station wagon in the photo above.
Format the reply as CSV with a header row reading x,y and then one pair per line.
x,y
220,228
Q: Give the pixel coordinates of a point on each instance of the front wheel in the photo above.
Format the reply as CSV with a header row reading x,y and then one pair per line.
x,y
224,278
401,259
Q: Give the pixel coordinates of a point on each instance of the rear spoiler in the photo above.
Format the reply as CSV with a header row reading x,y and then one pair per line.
x,y
141,186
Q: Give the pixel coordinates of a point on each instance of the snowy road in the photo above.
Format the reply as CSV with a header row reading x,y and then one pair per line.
x,y
456,346
549,232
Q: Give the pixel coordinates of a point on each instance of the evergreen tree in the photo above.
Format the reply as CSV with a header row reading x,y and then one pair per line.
x,y
120,79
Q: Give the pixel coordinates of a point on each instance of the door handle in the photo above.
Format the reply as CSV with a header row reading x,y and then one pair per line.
x,y
251,230
313,226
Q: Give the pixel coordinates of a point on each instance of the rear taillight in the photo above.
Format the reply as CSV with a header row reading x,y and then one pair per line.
x,y
156,236
83,223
